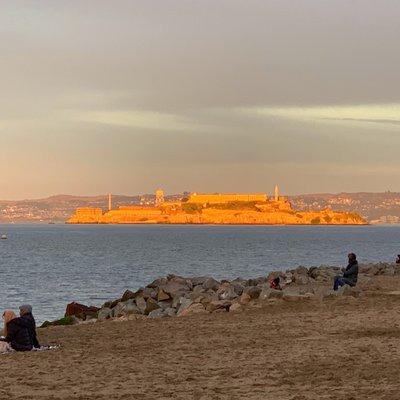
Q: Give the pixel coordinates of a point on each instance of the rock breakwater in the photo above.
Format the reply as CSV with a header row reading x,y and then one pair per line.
x,y
178,296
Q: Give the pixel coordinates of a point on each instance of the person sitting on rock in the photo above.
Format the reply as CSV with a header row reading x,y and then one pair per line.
x,y
350,273
25,312
16,332
275,283
398,259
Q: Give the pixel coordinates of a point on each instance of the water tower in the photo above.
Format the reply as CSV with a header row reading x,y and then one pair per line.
x,y
159,197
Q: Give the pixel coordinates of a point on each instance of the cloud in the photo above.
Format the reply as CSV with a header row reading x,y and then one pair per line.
x,y
388,114
141,119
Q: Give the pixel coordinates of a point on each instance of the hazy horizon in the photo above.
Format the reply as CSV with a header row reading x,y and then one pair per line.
x,y
228,96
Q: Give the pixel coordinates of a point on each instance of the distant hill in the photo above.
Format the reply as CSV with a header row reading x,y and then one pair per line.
x,y
375,207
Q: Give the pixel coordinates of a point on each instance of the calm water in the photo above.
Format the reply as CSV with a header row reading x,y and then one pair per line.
x,y
51,265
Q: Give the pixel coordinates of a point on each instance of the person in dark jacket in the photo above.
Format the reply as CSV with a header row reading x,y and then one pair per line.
x,y
17,335
350,274
398,259
25,312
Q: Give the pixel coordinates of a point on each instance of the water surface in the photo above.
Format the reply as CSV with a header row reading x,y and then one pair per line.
x,y
51,265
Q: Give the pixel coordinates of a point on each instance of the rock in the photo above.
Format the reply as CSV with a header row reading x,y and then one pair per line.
x,y
111,303
195,308
157,313
244,299
258,281
301,270
176,288
239,281
148,293
81,311
301,279
238,288
199,280
165,304
70,320
198,289
161,295
170,312
128,294
226,292
151,305
235,307
253,291
104,313
210,284
218,304
268,293
296,297
183,305
141,304
118,310
176,301
131,308
347,290
158,283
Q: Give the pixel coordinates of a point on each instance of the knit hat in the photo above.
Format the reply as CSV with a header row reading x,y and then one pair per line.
x,y
25,308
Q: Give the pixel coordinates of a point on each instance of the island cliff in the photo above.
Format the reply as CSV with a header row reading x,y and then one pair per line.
x,y
245,209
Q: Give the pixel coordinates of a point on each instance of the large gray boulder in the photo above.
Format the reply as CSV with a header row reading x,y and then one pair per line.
x,y
118,310
151,305
158,313
141,304
199,280
226,292
176,287
158,283
184,303
131,308
104,313
210,284
218,305
268,293
195,308
253,291
128,294
170,312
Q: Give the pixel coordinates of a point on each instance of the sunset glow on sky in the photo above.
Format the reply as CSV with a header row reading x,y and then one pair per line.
x,y
127,96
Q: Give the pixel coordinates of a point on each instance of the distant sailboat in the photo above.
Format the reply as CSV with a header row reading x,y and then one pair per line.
x,y
3,237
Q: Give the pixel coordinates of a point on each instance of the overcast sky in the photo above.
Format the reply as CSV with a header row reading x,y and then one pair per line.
x,y
127,96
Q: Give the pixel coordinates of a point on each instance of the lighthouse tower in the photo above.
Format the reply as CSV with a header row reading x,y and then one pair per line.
x,y
276,193
109,202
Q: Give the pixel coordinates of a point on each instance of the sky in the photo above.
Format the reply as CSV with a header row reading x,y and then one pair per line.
x,y
198,95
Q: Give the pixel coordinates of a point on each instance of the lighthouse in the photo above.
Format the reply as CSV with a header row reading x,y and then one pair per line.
x,y
276,193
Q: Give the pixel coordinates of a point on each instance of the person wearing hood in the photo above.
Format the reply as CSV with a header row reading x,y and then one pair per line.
x,y
25,312
16,332
350,273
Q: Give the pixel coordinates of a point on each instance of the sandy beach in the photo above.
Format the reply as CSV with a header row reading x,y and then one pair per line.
x,y
339,348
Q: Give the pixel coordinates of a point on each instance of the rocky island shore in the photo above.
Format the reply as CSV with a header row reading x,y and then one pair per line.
x,y
219,209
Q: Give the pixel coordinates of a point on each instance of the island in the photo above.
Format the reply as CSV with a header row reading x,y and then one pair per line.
x,y
216,208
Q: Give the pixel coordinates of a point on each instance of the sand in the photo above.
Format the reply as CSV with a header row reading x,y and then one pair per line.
x,y
344,348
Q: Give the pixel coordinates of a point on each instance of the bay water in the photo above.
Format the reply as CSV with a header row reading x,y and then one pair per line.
x,y
49,266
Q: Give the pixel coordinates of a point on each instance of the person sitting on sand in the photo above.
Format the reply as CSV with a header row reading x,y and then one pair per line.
x,y
25,312
8,315
350,273
398,259
16,332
